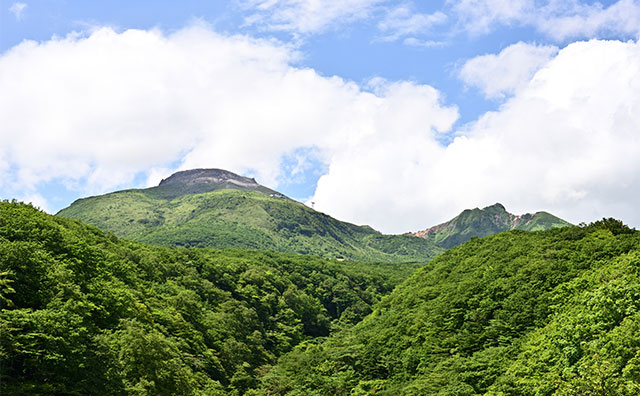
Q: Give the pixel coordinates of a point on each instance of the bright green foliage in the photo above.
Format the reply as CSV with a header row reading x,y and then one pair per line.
x,y
83,312
488,221
241,219
552,312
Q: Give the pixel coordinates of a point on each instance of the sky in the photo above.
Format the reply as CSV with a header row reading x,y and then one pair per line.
x,y
395,114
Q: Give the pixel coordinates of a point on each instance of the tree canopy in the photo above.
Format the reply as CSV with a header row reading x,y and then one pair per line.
x,y
84,312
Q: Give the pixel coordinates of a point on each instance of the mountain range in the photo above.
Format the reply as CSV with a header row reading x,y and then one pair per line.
x,y
218,208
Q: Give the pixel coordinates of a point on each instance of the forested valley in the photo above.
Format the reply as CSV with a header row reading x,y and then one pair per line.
x,y
553,312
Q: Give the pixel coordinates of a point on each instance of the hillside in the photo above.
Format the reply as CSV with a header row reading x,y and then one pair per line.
x,y
86,313
216,208
552,312
484,222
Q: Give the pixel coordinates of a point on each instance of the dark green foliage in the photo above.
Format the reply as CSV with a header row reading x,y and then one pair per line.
x,y
521,313
240,219
86,313
615,226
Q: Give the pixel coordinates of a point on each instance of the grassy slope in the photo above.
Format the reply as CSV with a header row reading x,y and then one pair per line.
x,y
544,313
240,219
84,312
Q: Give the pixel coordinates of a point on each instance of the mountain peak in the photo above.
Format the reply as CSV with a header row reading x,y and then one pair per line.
x,y
197,181
496,206
204,176
488,221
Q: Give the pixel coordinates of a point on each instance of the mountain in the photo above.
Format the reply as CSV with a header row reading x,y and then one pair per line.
x,y
217,208
554,312
83,312
205,180
484,222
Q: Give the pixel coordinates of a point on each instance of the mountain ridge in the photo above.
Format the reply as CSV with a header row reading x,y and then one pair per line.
x,y
490,220
217,208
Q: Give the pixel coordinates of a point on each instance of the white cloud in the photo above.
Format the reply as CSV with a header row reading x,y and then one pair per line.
x,y
402,21
37,201
480,16
559,20
98,111
17,9
306,16
507,72
416,42
620,18
568,142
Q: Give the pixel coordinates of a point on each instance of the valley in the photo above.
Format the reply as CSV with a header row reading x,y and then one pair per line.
x,y
211,284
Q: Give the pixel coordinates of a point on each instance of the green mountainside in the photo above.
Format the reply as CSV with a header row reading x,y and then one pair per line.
x,y
216,208
484,222
83,312
553,312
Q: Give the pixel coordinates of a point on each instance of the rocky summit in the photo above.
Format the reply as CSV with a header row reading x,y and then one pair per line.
x,y
207,176
195,181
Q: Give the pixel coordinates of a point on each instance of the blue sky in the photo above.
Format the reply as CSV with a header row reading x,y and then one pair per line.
x,y
397,114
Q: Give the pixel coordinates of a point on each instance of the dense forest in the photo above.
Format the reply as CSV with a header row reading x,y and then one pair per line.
x,y
84,312
552,312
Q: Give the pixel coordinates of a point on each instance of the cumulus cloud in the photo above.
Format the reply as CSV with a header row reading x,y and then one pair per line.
x,y
17,9
559,20
102,110
306,16
99,111
498,75
567,142
37,201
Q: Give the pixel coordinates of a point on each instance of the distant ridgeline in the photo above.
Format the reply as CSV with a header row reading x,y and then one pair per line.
x,y
484,222
217,208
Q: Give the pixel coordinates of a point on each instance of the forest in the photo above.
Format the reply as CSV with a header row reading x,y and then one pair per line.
x,y
84,312
553,312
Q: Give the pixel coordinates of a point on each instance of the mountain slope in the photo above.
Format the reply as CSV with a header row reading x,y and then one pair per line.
x,y
215,208
552,312
85,313
484,222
